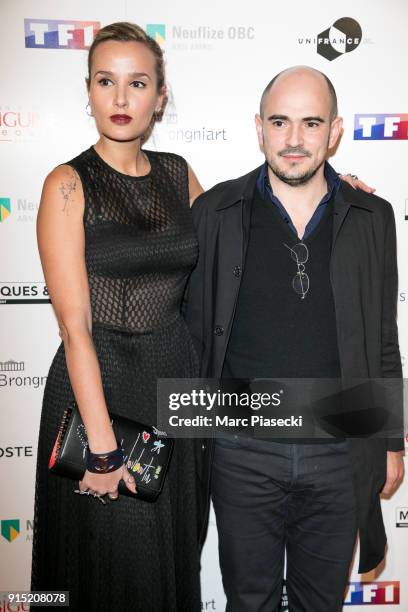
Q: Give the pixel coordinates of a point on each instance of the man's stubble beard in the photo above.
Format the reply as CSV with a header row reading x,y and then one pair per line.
x,y
296,181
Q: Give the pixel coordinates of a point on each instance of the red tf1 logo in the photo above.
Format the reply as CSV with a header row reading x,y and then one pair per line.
x,y
59,34
374,593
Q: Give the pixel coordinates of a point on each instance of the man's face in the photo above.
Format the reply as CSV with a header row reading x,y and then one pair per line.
x,y
296,129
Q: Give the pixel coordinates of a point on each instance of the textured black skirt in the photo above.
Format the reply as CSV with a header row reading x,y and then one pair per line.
x,y
127,554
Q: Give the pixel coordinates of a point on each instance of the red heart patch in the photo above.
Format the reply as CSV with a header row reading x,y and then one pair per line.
x,y
146,436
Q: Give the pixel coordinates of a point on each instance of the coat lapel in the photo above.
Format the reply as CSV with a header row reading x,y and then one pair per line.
x,y
341,209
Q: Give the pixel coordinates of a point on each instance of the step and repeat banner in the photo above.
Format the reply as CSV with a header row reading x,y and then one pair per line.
x,y
219,57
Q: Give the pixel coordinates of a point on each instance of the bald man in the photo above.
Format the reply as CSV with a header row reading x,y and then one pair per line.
x,y
297,278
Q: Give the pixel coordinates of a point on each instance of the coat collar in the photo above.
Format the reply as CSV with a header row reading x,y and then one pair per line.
x,y
243,188
240,189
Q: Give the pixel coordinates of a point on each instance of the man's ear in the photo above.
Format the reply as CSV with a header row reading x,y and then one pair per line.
x,y
259,131
335,131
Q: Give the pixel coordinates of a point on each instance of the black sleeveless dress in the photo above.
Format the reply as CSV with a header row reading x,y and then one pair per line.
x,y
140,248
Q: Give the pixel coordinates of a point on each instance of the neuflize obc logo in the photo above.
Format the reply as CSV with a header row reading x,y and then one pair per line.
x,y
5,209
381,126
59,33
10,529
157,31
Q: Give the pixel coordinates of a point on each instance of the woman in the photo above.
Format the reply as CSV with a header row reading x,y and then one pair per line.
x,y
117,244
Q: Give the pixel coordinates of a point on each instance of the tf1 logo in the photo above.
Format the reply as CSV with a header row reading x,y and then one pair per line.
x,y
373,593
381,127
59,34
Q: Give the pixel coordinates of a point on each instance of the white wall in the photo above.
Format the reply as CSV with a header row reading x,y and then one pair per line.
x,y
216,85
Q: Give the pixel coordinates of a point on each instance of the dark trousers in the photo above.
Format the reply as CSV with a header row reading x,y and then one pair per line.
x,y
269,497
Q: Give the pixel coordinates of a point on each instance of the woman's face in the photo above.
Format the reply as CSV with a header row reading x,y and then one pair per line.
x,y
123,89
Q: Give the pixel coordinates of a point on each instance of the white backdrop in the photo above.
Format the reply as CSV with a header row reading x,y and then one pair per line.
x,y
219,57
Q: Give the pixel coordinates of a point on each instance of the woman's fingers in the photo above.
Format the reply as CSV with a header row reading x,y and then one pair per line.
x,y
106,484
129,481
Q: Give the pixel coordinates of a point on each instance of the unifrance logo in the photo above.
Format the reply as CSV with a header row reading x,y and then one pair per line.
x,y
373,593
343,36
5,209
59,33
381,127
340,38
157,31
10,529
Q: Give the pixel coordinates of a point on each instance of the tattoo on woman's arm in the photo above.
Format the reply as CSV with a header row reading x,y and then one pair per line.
x,y
67,189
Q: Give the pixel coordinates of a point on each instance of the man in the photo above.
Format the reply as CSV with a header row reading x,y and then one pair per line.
x,y
297,278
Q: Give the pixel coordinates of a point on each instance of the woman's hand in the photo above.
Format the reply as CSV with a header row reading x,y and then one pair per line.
x,y
356,183
107,484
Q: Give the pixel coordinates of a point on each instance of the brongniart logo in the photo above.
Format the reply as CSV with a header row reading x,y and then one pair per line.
x,y
343,36
11,376
5,209
12,366
10,529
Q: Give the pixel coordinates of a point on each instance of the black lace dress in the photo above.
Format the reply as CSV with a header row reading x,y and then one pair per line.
x,y
140,248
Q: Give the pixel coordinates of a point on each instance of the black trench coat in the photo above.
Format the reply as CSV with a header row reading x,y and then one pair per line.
x,y
364,283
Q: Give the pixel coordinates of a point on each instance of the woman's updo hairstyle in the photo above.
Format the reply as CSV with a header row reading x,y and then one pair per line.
x,y
128,32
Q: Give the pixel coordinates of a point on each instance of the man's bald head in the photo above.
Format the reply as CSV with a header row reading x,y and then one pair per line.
x,y
303,70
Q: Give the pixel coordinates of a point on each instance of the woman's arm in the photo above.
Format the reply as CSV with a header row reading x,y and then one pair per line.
x,y
61,243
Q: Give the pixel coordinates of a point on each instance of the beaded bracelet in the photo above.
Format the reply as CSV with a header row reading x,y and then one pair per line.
x,y
103,463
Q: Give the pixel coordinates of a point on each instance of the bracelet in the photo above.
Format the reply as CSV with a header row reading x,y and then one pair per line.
x,y
103,463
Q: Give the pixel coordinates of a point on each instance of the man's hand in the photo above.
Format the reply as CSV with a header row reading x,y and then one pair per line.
x,y
395,472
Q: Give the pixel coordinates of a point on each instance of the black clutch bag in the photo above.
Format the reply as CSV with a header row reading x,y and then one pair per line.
x,y
147,453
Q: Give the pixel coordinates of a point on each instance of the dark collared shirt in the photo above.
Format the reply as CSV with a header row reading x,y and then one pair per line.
x,y
333,183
